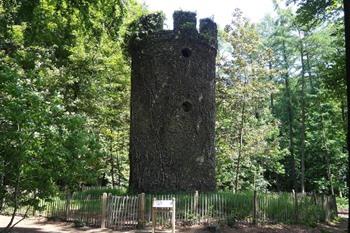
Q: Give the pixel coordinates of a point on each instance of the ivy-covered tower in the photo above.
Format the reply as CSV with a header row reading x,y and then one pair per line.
x,y
173,105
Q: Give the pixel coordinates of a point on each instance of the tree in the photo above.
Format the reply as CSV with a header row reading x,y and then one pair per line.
x,y
63,77
282,42
246,135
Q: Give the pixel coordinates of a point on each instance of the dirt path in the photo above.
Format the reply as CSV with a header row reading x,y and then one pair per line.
x,y
41,225
339,227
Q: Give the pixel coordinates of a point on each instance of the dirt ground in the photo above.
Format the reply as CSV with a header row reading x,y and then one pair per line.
x,y
41,225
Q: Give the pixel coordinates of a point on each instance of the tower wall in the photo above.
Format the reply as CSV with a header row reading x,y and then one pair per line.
x,y
173,108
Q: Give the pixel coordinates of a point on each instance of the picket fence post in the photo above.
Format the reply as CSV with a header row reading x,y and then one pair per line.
x,y
296,211
255,208
334,206
67,207
141,218
195,203
173,217
103,210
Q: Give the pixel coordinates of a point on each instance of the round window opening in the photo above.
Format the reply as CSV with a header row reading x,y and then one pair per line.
x,y
186,52
186,106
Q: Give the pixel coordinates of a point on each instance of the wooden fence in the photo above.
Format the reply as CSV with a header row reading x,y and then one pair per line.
x,y
120,212
81,209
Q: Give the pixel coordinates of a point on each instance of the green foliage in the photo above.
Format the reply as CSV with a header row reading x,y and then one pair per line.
x,y
247,134
78,223
141,27
231,221
64,87
342,203
224,207
313,85
316,11
188,26
65,90
98,192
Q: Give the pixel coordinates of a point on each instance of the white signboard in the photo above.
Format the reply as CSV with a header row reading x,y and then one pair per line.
x,y
170,204
163,203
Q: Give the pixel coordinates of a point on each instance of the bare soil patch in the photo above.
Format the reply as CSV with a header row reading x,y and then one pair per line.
x,y
42,225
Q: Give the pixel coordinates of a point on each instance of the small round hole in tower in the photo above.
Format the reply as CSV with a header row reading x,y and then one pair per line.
x,y
186,52
186,106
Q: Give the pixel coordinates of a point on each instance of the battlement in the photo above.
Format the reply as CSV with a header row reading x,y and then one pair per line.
x,y
150,27
208,29
184,21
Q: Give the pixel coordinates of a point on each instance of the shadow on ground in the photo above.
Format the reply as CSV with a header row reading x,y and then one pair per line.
x,y
29,229
41,225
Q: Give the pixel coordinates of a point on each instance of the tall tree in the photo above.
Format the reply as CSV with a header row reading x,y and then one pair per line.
x,y
244,121
63,81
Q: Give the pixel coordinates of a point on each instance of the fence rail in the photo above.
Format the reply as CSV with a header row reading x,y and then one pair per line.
x,y
120,212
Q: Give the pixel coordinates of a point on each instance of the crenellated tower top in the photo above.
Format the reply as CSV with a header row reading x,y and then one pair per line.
x,y
150,27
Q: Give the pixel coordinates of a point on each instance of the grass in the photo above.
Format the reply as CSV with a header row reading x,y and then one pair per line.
x,y
225,207
98,192
342,203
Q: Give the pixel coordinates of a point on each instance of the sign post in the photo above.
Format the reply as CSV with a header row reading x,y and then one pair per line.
x,y
163,205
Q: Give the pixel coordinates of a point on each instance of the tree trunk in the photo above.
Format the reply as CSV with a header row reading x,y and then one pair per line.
x,y
343,113
271,95
290,120
2,185
329,173
112,163
119,172
327,158
15,200
240,152
302,136
309,71
347,46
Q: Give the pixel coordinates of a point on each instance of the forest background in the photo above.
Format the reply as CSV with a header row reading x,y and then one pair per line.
x,y
65,91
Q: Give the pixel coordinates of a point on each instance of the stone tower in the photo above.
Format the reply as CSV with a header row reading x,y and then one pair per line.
x,y
173,106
